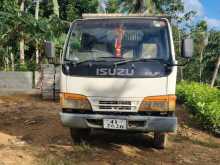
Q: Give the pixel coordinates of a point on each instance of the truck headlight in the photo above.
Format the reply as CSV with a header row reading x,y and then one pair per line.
x,y
158,103
74,101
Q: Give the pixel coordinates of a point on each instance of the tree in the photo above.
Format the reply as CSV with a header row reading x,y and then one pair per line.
x,y
63,9
17,26
211,58
75,8
203,27
9,22
199,32
30,26
71,13
168,7
112,6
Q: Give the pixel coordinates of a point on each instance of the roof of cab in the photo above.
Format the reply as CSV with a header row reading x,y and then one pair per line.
x,y
119,15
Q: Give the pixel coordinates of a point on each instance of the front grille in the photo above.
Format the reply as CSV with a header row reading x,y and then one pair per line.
x,y
115,105
116,102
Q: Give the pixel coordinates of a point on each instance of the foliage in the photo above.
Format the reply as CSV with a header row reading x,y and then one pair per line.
x,y
15,25
198,33
212,52
13,22
208,52
75,8
203,101
171,8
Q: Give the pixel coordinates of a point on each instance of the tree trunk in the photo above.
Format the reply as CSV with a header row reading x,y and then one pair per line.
x,y
200,65
181,73
7,63
21,42
37,54
56,8
179,47
215,74
22,56
12,61
37,9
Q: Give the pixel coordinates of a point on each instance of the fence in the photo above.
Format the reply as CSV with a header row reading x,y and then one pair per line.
x,y
16,80
46,80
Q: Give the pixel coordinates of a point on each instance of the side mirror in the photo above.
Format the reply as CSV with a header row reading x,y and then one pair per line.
x,y
49,49
187,48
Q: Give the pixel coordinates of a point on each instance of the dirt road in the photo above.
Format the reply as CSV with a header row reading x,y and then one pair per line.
x,y
31,133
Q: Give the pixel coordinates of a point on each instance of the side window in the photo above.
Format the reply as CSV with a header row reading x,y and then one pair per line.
x,y
74,41
73,46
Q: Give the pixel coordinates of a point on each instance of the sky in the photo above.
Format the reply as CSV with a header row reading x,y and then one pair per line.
x,y
206,9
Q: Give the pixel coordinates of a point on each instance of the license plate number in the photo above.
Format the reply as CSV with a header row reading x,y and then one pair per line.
x,y
114,124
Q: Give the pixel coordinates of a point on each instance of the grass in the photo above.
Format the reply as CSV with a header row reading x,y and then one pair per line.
x,y
79,155
209,143
52,160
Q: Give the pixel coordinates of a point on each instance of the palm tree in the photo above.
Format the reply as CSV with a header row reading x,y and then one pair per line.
x,y
132,6
55,11
148,7
137,6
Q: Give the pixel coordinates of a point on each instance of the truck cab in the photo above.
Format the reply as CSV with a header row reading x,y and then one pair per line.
x,y
119,73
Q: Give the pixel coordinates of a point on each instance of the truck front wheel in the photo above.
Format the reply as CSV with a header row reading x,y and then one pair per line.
x,y
79,135
160,140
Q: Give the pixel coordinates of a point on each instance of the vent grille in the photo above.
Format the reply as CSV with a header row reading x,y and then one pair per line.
x,y
115,105
104,104
116,102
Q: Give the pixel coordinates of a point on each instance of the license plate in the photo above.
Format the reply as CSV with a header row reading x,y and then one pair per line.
x,y
114,124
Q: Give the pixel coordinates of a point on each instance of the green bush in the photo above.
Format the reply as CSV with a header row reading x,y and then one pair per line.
x,y
203,101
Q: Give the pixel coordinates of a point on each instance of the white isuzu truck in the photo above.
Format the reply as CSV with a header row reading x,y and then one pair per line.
x,y
119,73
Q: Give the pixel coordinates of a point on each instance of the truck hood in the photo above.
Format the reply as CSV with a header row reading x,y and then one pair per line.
x,y
116,87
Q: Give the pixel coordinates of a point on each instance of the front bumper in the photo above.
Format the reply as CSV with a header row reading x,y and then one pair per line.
x,y
134,122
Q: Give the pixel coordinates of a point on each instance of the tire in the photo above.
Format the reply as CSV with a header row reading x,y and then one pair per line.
x,y
160,140
79,135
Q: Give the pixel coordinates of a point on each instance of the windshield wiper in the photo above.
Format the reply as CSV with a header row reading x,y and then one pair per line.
x,y
99,59
142,60
86,61
112,57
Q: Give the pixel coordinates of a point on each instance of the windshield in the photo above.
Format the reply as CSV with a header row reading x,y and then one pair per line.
x,y
118,39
